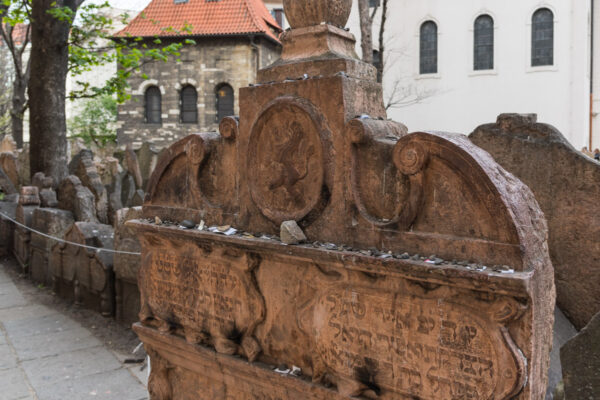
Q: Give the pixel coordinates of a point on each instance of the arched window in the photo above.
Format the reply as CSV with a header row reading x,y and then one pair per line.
x,y
428,56
224,101
153,105
189,105
483,43
542,38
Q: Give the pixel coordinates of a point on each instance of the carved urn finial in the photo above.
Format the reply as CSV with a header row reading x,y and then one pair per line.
x,y
304,13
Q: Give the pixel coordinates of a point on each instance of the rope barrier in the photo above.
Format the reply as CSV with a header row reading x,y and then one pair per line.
x,y
97,249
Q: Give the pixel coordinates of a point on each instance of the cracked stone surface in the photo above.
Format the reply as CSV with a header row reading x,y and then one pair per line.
x,y
45,355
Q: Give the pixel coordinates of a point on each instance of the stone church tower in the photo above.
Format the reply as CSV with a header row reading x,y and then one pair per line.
x,y
234,39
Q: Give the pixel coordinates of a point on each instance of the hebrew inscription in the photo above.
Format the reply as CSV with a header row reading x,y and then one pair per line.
x,y
428,349
210,293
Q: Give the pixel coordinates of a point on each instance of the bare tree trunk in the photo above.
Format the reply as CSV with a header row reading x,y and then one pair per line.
x,y
366,31
381,62
18,110
47,89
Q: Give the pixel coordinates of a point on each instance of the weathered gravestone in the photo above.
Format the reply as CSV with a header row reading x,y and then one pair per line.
x,y
29,201
581,363
74,197
83,166
127,266
52,222
6,185
565,183
85,275
10,166
8,144
359,316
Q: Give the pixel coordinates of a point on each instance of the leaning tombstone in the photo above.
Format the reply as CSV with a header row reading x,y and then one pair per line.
x,y
127,266
85,274
565,184
52,222
10,166
6,185
8,144
425,274
29,201
83,166
74,197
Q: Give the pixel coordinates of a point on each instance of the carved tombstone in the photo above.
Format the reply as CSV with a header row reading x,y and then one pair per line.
x,y
83,166
74,197
10,165
127,266
82,274
356,309
52,222
29,201
6,185
8,144
565,183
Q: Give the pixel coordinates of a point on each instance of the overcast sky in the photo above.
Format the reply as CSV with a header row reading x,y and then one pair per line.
x,y
137,5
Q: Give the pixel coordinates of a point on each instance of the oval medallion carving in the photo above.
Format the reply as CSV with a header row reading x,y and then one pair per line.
x,y
285,160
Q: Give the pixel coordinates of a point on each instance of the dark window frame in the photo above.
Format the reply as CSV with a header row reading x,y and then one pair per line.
x,y
220,115
188,112
428,48
542,38
483,43
153,116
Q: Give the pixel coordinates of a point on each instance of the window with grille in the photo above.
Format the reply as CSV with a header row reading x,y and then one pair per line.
x,y
189,105
428,56
153,105
542,38
483,43
224,102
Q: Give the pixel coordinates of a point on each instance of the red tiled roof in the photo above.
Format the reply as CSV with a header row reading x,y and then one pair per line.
x,y
19,34
204,17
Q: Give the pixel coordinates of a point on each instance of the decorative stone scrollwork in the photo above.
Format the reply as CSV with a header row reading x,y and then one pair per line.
x,y
410,158
229,127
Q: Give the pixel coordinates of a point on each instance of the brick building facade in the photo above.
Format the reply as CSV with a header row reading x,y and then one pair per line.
x,y
234,38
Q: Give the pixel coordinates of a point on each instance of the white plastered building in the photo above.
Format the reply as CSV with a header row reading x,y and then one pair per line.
x,y
457,97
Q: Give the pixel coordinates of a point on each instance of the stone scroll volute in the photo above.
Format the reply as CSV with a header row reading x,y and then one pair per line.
x,y
425,273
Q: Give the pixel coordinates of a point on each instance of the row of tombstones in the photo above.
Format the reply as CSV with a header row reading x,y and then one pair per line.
x,y
92,276
68,232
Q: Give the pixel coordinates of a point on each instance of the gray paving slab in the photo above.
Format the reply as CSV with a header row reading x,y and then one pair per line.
x,y
45,345
14,384
11,297
4,277
7,358
45,324
45,355
70,365
23,312
114,385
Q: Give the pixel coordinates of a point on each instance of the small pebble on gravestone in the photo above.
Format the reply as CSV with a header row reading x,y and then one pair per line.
x,y
291,233
187,224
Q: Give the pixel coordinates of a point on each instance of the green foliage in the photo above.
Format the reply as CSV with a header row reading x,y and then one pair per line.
x,y
96,122
91,45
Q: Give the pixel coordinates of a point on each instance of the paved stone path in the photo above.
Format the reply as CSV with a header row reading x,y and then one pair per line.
x,y
45,355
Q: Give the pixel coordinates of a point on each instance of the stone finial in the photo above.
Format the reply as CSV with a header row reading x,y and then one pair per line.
x,y
304,13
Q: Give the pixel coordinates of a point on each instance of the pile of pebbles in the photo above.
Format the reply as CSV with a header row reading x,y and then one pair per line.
x,y
228,230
